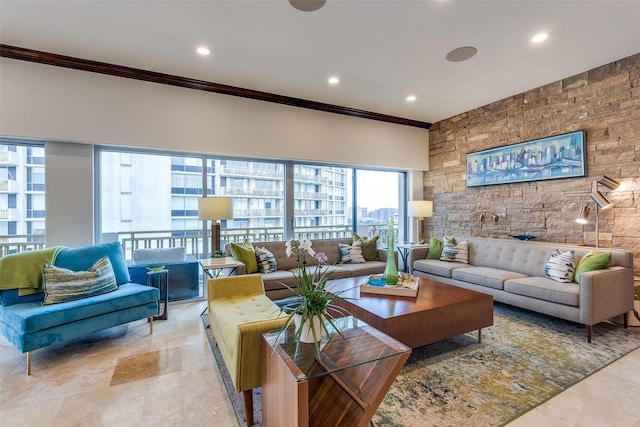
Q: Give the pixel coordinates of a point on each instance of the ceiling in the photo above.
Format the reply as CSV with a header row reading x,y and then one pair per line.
x,y
382,51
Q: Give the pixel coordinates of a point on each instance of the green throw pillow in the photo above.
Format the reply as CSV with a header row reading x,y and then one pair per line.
x,y
435,248
246,254
594,260
369,247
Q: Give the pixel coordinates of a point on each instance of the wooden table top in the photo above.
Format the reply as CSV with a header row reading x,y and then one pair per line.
x,y
431,295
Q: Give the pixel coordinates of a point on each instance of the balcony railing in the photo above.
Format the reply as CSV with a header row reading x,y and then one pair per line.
x,y
192,239
14,243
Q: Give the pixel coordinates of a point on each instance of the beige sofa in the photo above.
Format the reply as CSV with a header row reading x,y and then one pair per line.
x,y
273,282
513,272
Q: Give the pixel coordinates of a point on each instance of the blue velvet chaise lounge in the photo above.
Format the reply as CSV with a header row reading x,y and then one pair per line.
x,y
29,324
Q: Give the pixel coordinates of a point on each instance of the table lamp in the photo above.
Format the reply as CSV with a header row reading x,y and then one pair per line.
x,y
215,209
421,209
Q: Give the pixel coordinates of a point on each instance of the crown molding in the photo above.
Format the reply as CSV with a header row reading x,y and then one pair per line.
x,y
57,60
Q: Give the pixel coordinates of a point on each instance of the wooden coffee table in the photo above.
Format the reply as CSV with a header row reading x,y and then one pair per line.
x,y
440,311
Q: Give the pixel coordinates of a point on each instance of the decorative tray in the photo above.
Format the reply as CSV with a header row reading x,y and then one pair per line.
x,y
375,284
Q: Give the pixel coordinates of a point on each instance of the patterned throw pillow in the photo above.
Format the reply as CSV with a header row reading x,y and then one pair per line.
x,y
351,254
61,284
561,266
369,247
453,251
266,261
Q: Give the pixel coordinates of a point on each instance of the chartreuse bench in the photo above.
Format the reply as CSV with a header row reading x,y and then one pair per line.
x,y
58,294
239,313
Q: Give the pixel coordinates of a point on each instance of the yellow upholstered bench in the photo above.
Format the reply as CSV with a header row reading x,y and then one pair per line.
x,y
239,313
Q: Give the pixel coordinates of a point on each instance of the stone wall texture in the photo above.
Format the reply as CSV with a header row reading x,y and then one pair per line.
x,y
605,102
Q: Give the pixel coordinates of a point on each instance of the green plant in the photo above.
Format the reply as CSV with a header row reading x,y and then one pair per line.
x,y
313,298
218,253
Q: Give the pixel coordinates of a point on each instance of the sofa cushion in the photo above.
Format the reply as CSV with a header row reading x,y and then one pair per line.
x,y
437,267
545,289
32,316
435,248
594,260
246,254
61,284
485,276
82,258
266,261
369,247
454,251
364,269
561,266
11,296
350,254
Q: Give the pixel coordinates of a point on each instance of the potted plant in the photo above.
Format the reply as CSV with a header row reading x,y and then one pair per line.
x,y
311,310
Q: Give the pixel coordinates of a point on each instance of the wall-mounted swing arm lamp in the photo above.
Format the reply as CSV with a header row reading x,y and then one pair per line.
x,y
420,209
601,202
214,209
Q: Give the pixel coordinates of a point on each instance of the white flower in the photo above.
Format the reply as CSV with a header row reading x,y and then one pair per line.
x,y
305,245
288,250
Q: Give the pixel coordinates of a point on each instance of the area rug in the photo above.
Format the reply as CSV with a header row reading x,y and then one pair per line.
x,y
524,359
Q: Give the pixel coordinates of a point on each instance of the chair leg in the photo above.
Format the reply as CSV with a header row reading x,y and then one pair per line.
x,y
151,325
589,330
625,320
247,398
29,362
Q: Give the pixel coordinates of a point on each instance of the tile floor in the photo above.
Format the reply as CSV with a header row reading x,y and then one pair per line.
x,y
126,377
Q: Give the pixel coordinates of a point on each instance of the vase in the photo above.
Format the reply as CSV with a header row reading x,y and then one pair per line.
x,y
306,333
390,270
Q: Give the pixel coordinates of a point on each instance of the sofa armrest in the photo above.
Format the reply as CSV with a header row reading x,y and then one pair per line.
x,y
416,254
605,294
383,253
248,358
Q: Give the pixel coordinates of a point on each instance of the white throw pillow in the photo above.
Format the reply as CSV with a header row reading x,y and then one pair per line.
x,y
266,261
561,266
351,254
453,251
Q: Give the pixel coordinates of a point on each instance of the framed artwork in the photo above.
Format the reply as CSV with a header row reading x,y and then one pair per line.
x,y
561,156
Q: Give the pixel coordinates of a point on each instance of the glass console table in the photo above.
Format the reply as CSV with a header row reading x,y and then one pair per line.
x,y
342,385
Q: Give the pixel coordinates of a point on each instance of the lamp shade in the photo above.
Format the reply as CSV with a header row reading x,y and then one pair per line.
x,y
583,214
600,200
421,208
610,183
215,208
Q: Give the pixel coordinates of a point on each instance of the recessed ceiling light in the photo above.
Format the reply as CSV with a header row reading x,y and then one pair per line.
x,y
540,37
334,80
203,51
411,98
461,54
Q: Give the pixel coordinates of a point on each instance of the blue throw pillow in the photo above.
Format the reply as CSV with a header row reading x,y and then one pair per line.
x,y
79,259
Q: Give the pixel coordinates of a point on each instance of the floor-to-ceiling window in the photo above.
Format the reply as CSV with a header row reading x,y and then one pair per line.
x,y
151,200
22,196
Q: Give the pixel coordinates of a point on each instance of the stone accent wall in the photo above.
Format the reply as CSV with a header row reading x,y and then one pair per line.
x,y
605,102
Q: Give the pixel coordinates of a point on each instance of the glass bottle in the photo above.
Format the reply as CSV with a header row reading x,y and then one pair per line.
x,y
390,270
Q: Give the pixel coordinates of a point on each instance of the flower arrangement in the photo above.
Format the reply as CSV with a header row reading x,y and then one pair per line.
x,y
314,300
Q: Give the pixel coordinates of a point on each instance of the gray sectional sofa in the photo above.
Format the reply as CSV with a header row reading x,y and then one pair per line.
x,y
273,282
513,272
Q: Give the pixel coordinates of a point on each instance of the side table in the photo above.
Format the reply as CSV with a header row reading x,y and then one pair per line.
x,y
160,279
213,267
342,385
404,249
